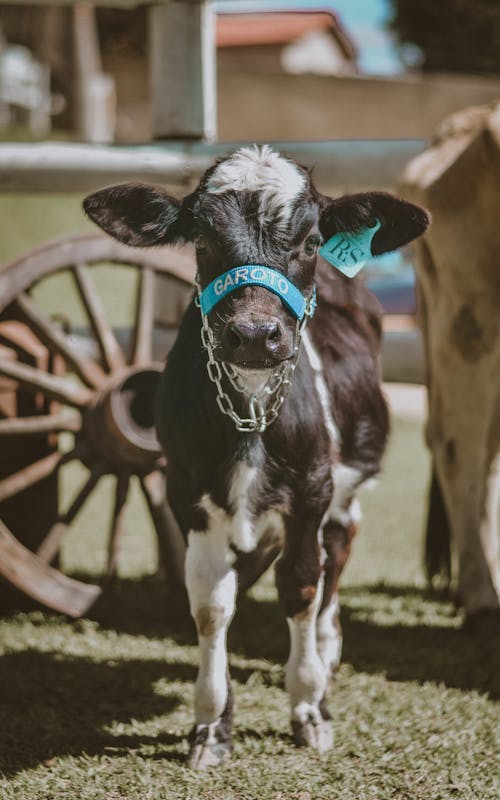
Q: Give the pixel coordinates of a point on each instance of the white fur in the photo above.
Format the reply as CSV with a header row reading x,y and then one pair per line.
x,y
329,635
237,527
211,586
211,582
342,509
321,389
254,379
260,169
305,678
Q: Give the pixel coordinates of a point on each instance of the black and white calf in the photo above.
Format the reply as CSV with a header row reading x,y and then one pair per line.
x,y
267,447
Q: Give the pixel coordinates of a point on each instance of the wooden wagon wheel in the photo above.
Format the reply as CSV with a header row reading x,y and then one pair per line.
x,y
104,399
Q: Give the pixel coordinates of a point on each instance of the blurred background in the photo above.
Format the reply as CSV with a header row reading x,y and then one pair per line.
x,y
352,87
287,70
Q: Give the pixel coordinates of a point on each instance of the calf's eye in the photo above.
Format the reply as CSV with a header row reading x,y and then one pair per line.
x,y
201,242
311,245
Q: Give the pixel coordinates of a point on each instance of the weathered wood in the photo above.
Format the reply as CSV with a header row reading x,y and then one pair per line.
x,y
90,372
24,570
170,542
45,423
56,388
117,523
95,91
143,344
30,475
49,548
56,167
182,64
110,349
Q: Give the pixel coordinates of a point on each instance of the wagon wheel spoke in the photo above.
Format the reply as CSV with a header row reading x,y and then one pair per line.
x,y
33,473
53,387
45,423
117,523
48,333
46,585
171,544
52,542
143,344
110,349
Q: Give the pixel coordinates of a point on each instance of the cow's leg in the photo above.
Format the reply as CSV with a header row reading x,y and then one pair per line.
x,y
344,516
299,581
211,585
464,439
338,534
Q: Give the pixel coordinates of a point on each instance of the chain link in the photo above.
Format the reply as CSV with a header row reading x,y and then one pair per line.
x,y
275,389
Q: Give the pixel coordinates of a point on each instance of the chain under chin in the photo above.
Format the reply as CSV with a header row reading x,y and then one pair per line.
x,y
265,404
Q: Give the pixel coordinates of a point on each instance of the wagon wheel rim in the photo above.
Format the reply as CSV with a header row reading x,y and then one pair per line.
x,y
113,433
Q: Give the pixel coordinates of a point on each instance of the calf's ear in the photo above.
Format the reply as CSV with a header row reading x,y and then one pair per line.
x,y
400,221
135,214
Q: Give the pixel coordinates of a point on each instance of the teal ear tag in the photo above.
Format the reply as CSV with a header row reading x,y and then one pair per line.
x,y
349,252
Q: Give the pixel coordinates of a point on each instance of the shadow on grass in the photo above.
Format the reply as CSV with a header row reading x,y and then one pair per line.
x,y
442,651
61,705
402,651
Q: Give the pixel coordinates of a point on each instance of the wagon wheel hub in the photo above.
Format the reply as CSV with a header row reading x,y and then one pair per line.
x,y
120,426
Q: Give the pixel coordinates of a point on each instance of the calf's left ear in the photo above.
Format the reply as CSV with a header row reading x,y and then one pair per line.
x,y
400,221
135,214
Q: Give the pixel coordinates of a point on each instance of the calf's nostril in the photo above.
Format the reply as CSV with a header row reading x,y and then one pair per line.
x,y
274,334
233,339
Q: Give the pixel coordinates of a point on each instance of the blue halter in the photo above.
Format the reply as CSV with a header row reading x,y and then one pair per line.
x,y
257,275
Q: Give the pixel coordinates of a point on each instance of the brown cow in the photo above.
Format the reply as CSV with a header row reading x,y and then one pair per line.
x,y
458,179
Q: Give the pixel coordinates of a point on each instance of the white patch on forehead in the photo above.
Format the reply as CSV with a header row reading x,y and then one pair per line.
x,y
260,169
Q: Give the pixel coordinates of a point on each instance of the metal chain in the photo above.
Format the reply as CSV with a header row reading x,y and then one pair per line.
x,y
275,389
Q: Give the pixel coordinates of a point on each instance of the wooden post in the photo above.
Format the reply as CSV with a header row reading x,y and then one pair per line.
x,y
182,65
95,91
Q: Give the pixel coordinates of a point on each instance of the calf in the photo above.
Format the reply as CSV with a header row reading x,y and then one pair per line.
x,y
269,426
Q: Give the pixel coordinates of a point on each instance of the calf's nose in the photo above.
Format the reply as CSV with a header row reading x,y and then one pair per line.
x,y
253,341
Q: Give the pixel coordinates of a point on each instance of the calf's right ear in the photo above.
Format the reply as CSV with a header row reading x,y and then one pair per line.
x,y
136,214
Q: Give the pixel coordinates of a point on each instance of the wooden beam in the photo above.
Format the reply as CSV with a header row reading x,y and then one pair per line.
x,y
182,68
63,167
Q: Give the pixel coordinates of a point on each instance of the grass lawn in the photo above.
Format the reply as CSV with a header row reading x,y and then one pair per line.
x,y
99,709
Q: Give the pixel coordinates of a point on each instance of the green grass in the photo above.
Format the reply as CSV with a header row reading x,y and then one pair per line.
x,y
100,708
30,219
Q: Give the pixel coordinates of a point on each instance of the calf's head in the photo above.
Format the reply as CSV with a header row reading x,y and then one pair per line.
x,y
254,209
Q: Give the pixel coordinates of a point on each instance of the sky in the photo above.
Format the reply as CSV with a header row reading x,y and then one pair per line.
x,y
363,19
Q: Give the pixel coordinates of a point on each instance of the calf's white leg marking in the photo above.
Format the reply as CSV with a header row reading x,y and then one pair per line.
x,y
211,586
329,635
305,678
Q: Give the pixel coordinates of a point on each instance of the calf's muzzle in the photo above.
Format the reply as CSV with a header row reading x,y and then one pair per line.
x,y
256,342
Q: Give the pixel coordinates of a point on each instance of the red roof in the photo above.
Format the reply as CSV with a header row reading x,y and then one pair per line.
x,y
267,28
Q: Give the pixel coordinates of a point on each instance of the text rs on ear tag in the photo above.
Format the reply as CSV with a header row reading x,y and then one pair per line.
x,y
349,252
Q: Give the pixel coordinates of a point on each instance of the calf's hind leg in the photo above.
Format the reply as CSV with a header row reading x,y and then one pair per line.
x,y
299,582
211,585
337,538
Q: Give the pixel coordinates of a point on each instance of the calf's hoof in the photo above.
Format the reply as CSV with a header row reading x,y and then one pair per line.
x,y
210,747
314,733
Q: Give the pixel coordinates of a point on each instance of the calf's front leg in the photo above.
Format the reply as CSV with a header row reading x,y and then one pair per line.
x,y
211,586
299,582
